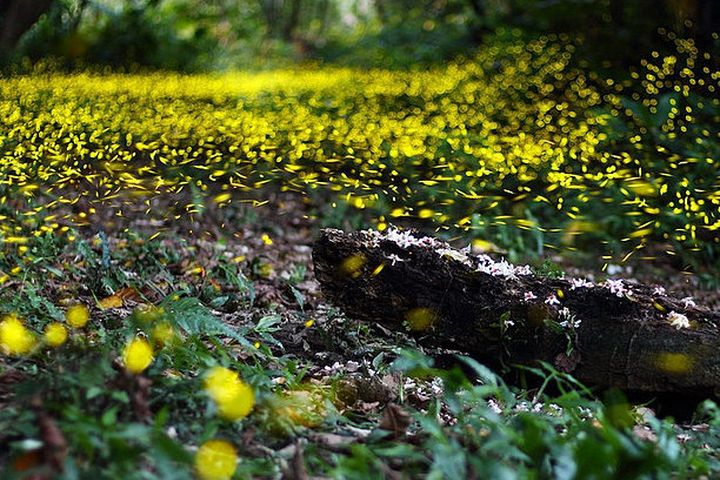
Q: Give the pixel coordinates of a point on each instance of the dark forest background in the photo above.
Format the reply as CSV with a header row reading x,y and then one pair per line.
x,y
201,35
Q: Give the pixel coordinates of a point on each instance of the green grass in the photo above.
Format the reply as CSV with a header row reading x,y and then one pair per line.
x,y
462,422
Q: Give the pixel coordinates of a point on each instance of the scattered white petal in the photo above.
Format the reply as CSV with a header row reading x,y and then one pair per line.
x,y
455,255
394,258
688,302
659,291
494,406
568,319
580,283
678,320
617,287
552,300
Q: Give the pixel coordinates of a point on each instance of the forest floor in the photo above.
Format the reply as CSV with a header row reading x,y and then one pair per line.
x,y
335,397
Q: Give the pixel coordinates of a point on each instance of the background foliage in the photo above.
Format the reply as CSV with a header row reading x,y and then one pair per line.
x,y
200,35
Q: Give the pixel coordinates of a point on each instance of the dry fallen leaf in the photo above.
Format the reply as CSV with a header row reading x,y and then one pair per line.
x,y
395,420
127,293
644,433
113,301
27,460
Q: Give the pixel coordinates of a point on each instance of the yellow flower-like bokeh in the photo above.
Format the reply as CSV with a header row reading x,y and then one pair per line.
x,y
149,314
233,397
15,338
302,407
484,143
420,319
55,334
77,316
216,460
352,266
163,334
138,355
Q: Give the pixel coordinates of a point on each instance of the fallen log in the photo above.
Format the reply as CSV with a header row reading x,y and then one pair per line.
x,y
610,334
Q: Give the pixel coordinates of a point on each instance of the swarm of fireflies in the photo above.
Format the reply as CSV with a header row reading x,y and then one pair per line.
x,y
512,138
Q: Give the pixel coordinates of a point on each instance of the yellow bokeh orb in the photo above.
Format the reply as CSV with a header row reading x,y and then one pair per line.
x,y
233,397
163,334
15,339
138,355
216,460
55,334
420,319
77,316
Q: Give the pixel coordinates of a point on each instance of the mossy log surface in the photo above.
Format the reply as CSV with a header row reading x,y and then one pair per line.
x,y
610,334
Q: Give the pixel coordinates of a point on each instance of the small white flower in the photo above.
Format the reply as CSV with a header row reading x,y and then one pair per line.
x,y
455,255
617,287
569,320
405,239
494,406
436,386
394,259
409,385
530,296
501,268
555,409
584,411
678,320
580,283
552,300
523,270
688,302
335,368
658,291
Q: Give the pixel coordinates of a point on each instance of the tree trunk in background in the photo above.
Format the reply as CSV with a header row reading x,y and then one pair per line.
x,y
269,10
293,20
17,17
323,11
78,14
381,11
611,335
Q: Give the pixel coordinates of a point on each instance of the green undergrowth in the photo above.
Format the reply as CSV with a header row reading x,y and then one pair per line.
x,y
75,412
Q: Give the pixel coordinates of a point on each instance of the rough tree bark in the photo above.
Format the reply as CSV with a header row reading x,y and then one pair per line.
x,y
611,334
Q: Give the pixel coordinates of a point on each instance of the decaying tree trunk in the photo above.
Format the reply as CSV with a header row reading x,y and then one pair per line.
x,y
611,334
